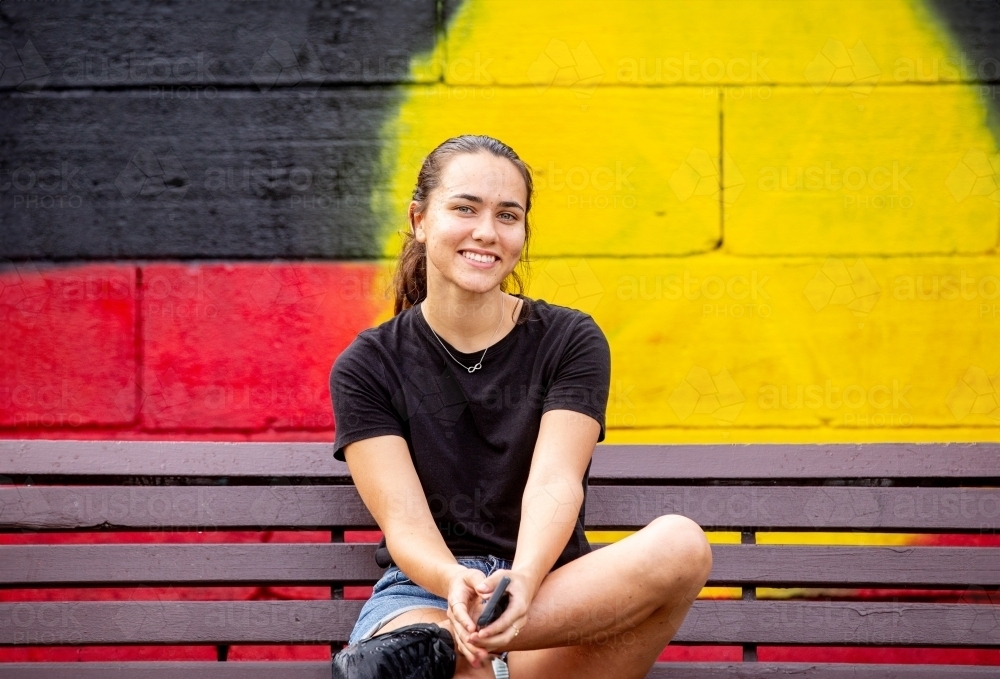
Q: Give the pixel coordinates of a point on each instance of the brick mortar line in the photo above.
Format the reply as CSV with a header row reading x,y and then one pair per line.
x,y
236,87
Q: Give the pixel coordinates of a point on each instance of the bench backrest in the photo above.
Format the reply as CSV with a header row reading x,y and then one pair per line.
x,y
183,486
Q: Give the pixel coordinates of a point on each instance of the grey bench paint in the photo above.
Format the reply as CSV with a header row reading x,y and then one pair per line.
x,y
322,564
757,507
316,670
611,462
143,485
323,622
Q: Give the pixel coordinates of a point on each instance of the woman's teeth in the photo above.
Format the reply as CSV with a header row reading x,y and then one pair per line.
x,y
486,259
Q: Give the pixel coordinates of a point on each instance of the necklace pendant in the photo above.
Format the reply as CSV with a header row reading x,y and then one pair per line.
x,y
478,365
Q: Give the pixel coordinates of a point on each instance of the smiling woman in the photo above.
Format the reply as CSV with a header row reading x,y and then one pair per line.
x,y
468,422
495,162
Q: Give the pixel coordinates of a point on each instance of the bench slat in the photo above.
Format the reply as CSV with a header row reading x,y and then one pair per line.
x,y
297,563
611,462
772,565
752,670
177,622
840,623
168,670
169,458
204,508
797,461
321,622
189,564
799,507
608,507
321,670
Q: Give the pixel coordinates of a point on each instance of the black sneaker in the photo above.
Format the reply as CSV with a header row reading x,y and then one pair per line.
x,y
418,651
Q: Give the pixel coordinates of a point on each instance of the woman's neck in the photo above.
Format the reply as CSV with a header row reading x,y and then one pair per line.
x,y
468,321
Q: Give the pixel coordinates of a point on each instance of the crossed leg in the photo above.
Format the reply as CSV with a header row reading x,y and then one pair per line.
x,y
606,613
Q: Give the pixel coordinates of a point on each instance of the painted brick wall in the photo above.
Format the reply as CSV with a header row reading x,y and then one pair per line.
x,y
783,215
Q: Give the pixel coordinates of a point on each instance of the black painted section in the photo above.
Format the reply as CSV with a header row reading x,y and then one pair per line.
x,y
448,10
143,43
975,26
243,175
246,130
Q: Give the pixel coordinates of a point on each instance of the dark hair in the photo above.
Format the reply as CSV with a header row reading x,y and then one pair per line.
x,y
410,279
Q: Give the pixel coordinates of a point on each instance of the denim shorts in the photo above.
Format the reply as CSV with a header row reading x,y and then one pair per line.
x,y
395,593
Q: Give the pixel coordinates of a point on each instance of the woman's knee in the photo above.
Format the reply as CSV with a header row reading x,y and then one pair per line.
x,y
679,540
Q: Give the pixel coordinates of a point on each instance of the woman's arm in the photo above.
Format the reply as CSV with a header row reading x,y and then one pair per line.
x,y
550,506
396,500
388,484
554,491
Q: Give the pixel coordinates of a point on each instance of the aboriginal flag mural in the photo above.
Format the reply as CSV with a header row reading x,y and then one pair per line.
x,y
783,215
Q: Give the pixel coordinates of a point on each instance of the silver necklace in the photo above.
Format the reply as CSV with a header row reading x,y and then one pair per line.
x,y
477,366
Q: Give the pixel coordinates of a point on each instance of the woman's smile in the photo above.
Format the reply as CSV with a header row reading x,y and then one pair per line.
x,y
479,259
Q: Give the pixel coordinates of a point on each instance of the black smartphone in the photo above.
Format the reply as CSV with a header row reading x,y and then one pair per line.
x,y
496,605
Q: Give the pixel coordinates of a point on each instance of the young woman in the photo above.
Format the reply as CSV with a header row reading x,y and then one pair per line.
x,y
468,422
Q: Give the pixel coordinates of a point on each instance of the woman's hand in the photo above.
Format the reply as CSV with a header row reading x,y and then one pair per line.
x,y
463,609
498,634
467,596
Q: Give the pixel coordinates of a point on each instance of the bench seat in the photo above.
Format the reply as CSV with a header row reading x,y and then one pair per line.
x,y
96,486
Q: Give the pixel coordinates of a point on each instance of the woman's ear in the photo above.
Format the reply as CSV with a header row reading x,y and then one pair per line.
x,y
417,224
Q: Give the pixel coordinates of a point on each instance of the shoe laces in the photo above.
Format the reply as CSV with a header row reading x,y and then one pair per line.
x,y
421,659
413,652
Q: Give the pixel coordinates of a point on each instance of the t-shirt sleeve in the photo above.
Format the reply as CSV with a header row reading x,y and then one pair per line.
x,y
583,375
362,408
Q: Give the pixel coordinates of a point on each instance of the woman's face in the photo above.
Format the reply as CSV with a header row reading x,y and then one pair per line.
x,y
473,226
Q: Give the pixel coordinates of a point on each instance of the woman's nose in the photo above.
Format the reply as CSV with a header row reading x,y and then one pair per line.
x,y
485,230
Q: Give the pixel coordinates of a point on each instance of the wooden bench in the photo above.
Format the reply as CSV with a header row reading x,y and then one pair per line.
x,y
163,486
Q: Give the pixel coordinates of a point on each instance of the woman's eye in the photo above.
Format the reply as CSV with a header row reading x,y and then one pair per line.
x,y
509,215
464,207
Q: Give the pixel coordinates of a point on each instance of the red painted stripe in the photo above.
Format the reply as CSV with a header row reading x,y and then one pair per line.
x,y
226,351
67,349
247,346
943,656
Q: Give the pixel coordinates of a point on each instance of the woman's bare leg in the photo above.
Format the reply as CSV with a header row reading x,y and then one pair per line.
x,y
605,614
611,612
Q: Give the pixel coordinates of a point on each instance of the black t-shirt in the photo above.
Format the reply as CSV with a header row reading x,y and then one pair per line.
x,y
472,436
